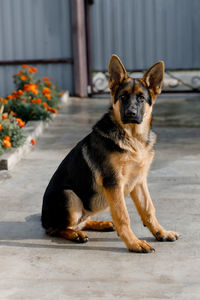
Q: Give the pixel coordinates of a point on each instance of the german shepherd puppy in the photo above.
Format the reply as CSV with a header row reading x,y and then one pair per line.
x,y
108,164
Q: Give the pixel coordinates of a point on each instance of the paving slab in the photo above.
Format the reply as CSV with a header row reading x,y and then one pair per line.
x,y
36,266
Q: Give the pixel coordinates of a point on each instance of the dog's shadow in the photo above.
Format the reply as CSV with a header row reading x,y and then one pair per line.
x,y
30,234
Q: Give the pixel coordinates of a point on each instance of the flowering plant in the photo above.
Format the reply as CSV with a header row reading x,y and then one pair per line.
x,y
11,134
34,99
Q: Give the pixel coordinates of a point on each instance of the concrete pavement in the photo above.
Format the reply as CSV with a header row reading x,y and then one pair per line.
x,y
35,266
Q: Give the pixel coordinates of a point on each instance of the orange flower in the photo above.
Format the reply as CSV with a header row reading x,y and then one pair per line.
x,y
5,101
48,83
6,143
35,92
31,87
20,122
53,110
46,78
45,105
7,138
11,97
48,96
32,70
27,87
23,77
4,117
38,100
60,94
46,90
33,142
20,92
19,73
1,127
32,101
25,66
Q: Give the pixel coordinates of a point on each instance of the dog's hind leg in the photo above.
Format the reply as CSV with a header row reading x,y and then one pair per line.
x,y
99,225
75,210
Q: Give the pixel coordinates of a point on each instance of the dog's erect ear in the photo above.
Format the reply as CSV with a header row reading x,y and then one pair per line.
x,y
117,72
154,77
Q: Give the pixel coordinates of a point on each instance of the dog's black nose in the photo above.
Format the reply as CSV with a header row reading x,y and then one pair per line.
x,y
132,113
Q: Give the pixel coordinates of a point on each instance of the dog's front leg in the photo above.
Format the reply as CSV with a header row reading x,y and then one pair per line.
x,y
145,207
121,221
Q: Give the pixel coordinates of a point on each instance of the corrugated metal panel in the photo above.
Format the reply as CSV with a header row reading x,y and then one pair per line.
x,y
142,32
39,29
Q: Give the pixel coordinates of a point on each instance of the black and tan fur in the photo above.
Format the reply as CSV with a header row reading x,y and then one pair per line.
x,y
108,164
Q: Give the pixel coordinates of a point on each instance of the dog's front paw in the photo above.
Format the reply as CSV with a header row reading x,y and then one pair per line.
x,y
141,246
169,236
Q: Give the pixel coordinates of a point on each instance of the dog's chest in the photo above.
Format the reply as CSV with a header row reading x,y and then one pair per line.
x,y
131,168
131,172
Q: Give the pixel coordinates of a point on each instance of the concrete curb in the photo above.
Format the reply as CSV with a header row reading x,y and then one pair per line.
x,y
32,130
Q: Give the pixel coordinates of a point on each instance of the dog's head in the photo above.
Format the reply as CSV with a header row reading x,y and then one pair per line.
x,y
133,98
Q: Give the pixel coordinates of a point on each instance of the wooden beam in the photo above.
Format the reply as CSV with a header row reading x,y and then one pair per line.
x,y
79,48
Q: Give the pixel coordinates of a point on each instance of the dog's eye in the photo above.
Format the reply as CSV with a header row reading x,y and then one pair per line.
x,y
140,98
123,97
